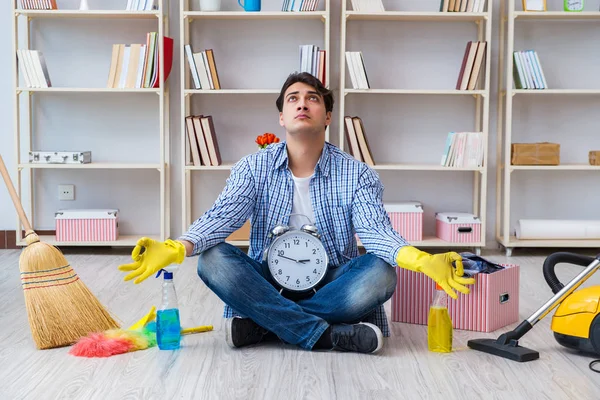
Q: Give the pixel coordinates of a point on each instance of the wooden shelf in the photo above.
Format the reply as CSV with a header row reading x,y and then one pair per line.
x,y
423,167
27,123
110,14
416,16
416,91
556,91
428,241
563,167
224,167
514,242
231,91
97,165
554,15
123,241
87,90
302,15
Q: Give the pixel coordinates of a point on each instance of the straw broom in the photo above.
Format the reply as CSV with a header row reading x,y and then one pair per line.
x,y
60,307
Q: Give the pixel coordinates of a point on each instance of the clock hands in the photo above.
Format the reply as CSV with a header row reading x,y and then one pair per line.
x,y
298,261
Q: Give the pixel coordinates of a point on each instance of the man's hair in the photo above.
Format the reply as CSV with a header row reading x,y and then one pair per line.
x,y
310,80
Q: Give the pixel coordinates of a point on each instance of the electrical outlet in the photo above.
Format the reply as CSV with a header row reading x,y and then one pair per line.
x,y
66,192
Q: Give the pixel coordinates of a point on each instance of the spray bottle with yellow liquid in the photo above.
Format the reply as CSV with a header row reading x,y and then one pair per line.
x,y
439,324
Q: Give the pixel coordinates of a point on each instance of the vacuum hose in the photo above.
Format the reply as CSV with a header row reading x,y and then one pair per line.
x,y
562,257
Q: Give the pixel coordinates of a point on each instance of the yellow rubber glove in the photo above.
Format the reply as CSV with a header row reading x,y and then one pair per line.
x,y
154,257
438,267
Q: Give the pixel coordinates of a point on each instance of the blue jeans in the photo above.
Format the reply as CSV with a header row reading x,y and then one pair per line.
x,y
351,292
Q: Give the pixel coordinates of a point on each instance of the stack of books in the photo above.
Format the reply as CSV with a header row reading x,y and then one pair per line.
x,y
33,67
312,60
463,149
141,5
357,70
299,5
472,63
527,70
462,5
203,68
137,65
367,5
357,138
201,141
38,4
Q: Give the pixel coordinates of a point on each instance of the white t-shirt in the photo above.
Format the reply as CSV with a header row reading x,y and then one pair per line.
x,y
301,203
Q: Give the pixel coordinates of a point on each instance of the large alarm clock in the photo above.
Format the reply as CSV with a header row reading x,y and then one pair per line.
x,y
573,5
297,259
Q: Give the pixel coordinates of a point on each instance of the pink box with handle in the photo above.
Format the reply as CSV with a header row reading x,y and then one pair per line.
x,y
458,227
492,304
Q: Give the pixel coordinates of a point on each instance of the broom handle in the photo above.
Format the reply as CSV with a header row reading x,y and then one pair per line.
x,y
14,196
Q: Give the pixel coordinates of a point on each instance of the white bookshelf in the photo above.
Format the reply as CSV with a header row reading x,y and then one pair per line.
x,y
189,20
24,132
482,97
506,95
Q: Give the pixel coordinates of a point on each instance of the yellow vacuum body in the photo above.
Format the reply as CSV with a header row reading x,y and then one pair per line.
x,y
576,322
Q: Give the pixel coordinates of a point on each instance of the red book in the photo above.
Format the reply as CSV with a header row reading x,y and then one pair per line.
x,y
168,46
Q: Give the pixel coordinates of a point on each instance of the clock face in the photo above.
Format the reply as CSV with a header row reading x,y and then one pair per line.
x,y
297,261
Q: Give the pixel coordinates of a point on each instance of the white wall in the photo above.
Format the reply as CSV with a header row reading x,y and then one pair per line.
x,y
398,54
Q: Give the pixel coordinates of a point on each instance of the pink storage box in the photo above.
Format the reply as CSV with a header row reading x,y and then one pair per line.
x,y
87,225
492,304
407,219
458,227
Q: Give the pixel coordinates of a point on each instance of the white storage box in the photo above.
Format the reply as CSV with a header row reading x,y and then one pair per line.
x,y
458,227
97,225
407,219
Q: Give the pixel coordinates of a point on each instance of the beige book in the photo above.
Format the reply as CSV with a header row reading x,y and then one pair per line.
x,y
193,143
114,59
204,155
211,140
477,64
352,140
119,65
132,69
469,66
361,136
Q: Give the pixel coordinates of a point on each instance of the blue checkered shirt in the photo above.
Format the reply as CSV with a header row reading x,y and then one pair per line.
x,y
347,199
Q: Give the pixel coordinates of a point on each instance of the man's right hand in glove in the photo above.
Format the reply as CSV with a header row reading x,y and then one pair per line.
x,y
150,256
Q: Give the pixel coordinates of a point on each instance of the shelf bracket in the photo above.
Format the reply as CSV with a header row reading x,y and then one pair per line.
x,y
19,92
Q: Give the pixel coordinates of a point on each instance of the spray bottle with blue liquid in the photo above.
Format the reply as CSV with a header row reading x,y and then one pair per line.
x,y
168,326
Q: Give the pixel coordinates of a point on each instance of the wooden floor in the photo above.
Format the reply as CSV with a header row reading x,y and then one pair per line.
x,y
206,368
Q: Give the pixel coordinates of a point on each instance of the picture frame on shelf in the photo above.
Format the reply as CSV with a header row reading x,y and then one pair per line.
x,y
534,5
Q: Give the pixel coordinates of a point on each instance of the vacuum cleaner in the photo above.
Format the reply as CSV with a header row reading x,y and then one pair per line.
x,y
576,323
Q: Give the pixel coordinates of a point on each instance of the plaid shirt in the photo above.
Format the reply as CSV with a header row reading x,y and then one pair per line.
x,y
347,199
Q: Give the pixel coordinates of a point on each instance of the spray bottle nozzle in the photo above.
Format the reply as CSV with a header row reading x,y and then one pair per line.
x,y
167,272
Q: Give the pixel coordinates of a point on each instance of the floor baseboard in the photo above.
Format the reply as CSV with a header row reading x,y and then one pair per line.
x,y
8,239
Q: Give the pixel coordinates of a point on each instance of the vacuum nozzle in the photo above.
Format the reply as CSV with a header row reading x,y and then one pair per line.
x,y
511,350
507,345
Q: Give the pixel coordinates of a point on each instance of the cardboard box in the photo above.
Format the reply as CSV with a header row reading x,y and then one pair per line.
x,y
95,225
595,157
544,153
407,219
458,227
492,304
241,234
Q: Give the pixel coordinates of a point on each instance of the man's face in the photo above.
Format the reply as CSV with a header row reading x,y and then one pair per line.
x,y
303,110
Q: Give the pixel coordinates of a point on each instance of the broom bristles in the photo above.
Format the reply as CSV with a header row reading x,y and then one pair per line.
x,y
60,307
